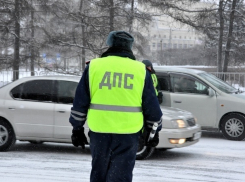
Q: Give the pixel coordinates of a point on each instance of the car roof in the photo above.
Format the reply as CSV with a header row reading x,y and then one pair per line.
x,y
55,77
177,69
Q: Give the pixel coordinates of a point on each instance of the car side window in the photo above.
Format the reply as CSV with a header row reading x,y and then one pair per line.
x,y
16,92
187,84
66,91
37,90
163,83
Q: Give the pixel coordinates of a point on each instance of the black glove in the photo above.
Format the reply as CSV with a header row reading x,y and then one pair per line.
x,y
154,141
78,138
145,135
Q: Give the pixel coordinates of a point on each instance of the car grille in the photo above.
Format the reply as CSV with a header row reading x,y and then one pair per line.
x,y
191,122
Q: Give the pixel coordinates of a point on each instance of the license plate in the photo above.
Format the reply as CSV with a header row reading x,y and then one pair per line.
x,y
197,135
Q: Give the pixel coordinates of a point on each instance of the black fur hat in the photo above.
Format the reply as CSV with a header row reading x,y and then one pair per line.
x,y
147,63
120,39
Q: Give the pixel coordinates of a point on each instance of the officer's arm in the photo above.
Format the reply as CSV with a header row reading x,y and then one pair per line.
x,y
81,102
150,105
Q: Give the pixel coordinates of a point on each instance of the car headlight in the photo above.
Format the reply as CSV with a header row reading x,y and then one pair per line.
x,y
178,123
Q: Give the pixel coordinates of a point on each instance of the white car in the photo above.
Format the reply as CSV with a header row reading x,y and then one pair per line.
x,y
37,109
214,103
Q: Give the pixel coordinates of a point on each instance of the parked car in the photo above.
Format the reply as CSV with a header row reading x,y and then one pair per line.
x,y
37,109
214,103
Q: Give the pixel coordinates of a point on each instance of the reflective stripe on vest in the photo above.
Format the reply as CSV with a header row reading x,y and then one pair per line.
x,y
115,108
155,82
116,86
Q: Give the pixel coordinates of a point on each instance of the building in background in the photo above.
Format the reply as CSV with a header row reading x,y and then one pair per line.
x,y
167,35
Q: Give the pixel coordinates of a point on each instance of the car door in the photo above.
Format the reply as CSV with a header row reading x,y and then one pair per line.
x,y
191,94
32,109
65,95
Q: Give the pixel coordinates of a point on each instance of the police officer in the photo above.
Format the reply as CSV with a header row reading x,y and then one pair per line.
x,y
149,66
114,94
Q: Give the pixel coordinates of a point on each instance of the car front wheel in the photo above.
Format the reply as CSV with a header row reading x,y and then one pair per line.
x,y
233,127
7,136
143,151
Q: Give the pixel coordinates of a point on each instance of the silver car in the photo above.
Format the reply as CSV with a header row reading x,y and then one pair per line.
x,y
217,105
37,109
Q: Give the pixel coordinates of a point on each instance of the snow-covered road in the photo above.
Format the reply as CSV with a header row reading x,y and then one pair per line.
x,y
213,159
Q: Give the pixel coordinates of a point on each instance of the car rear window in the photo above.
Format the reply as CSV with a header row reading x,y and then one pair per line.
x,y
36,90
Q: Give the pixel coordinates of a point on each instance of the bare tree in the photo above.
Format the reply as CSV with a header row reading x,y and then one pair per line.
x,y
221,34
229,37
16,61
82,4
97,19
18,28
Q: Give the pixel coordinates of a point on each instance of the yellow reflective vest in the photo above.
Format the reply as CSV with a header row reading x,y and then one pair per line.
x,y
116,86
155,82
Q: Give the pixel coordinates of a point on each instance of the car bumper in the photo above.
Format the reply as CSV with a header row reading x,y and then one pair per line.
x,y
191,134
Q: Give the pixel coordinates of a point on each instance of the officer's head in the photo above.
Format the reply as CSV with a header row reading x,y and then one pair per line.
x,y
120,39
147,63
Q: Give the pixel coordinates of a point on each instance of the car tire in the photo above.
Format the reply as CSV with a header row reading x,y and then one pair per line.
x,y
7,136
233,127
143,151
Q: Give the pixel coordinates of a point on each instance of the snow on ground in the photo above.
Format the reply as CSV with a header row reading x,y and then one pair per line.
x,y
212,159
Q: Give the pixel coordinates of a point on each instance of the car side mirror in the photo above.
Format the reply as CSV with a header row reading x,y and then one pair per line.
x,y
211,92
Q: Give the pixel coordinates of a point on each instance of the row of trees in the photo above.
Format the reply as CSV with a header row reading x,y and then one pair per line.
x,y
197,55
75,28
78,28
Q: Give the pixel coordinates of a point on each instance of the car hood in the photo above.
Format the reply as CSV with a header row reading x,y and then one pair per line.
x,y
175,113
241,95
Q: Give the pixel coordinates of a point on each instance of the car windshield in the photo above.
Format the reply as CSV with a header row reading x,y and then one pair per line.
x,y
220,84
